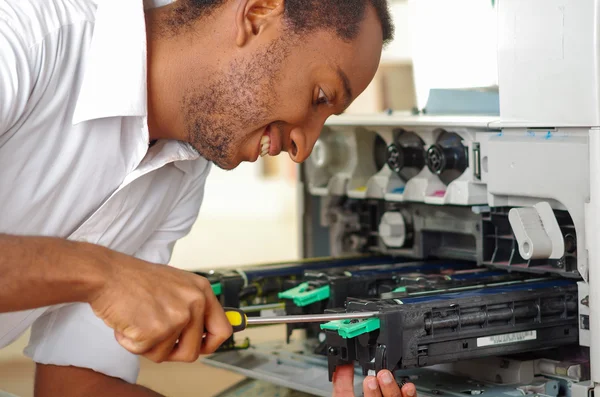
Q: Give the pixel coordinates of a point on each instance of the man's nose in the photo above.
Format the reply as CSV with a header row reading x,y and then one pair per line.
x,y
303,140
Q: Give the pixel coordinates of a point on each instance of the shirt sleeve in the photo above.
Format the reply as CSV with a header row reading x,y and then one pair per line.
x,y
16,81
72,335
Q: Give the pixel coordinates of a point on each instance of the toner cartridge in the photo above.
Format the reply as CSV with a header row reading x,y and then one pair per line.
x,y
423,331
326,290
320,290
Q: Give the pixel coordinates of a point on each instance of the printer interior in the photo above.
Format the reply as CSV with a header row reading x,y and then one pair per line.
x,y
474,237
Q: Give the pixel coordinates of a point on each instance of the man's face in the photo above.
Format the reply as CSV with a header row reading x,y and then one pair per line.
x,y
277,92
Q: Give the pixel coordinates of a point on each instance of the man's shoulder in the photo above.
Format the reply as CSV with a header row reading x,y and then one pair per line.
x,y
34,20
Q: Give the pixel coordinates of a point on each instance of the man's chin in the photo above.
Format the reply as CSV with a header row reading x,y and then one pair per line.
x,y
226,163
226,166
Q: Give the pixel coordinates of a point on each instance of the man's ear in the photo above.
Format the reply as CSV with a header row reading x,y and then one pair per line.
x,y
252,16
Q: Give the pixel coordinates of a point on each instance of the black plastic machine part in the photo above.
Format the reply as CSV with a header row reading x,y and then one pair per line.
x,y
361,282
260,284
380,152
400,157
406,155
448,328
257,282
448,157
383,285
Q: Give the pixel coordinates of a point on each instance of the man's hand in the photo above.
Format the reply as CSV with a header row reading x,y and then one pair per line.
x,y
155,310
160,312
384,385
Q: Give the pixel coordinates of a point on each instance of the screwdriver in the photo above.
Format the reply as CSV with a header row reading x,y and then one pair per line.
x,y
240,321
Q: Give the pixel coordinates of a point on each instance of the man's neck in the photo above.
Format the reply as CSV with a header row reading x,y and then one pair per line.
x,y
178,58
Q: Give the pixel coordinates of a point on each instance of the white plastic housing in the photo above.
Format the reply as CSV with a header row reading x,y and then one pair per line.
x,y
362,180
548,62
537,232
392,229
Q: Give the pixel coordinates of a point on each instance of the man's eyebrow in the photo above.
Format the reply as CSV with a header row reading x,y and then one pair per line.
x,y
347,96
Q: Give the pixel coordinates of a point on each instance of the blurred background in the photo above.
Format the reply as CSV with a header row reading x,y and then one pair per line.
x,y
250,215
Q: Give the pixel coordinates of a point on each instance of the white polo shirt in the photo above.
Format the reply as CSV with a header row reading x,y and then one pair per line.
x,y
75,159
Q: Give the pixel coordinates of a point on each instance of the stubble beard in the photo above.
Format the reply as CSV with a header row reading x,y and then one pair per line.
x,y
232,105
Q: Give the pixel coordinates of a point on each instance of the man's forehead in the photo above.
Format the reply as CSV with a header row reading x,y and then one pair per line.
x,y
348,95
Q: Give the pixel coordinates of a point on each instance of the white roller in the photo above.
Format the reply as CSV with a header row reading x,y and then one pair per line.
x,y
392,229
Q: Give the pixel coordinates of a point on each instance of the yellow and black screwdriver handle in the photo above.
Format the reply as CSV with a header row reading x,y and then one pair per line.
x,y
237,318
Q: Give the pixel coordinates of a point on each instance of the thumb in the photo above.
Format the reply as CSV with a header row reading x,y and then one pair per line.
x,y
409,390
343,381
129,344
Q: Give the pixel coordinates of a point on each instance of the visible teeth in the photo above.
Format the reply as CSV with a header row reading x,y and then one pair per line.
x,y
265,145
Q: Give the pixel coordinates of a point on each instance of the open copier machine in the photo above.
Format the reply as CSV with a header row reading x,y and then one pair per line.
x,y
476,238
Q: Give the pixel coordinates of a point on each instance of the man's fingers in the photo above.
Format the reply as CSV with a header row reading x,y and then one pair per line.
x,y
190,342
162,350
343,381
130,345
409,390
388,385
217,326
371,387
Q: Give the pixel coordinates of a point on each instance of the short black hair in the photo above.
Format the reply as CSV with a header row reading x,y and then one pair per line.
x,y
342,16
304,16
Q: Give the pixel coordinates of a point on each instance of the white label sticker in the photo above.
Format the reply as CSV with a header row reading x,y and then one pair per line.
x,y
506,338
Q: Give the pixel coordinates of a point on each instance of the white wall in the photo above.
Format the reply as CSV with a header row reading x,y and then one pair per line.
x,y
453,44
245,219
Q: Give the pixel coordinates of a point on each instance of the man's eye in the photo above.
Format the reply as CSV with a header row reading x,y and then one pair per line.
x,y
322,99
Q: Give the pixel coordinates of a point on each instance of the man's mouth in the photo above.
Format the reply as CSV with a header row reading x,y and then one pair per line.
x,y
270,142
265,142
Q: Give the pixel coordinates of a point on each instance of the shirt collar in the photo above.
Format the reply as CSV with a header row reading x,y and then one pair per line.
x,y
114,81
115,72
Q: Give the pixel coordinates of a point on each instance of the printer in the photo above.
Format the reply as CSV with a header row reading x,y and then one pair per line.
x,y
477,238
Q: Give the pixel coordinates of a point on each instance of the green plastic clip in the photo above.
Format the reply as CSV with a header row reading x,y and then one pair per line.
x,y
400,289
217,288
302,296
352,328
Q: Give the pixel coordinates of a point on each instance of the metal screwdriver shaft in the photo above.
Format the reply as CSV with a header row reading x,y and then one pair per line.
x,y
310,318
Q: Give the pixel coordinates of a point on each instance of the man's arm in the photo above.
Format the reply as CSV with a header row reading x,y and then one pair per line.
x,y
86,342
43,271
40,271
149,306
51,381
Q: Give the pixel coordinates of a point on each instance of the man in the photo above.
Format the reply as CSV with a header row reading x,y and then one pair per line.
x,y
110,118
